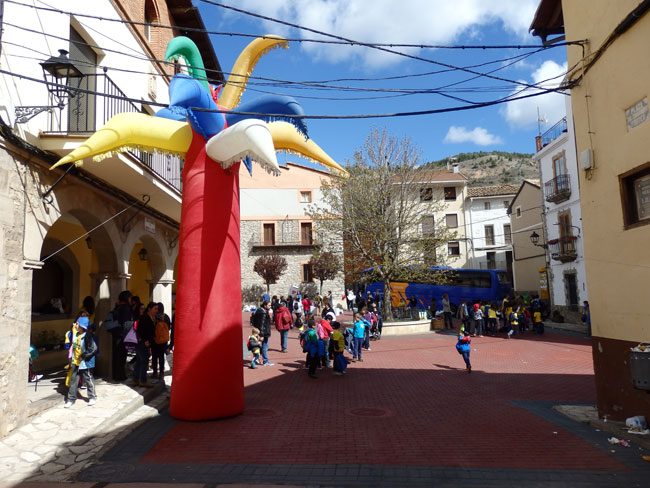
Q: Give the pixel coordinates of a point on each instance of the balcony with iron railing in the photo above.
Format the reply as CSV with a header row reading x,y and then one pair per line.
x,y
563,248
554,132
269,245
87,112
558,189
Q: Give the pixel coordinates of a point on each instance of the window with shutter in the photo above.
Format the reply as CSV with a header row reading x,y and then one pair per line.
x,y
306,235
269,234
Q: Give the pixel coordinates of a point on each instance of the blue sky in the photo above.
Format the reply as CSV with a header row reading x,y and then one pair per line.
x,y
507,127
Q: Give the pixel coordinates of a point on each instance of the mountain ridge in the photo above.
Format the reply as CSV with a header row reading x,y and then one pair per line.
x,y
485,168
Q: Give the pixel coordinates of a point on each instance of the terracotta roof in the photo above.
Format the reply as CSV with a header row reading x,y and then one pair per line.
x,y
433,175
492,191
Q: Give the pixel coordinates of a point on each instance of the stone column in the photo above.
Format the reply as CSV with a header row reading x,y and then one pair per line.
x,y
107,287
161,291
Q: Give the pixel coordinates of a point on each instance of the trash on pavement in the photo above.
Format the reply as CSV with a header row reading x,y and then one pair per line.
x,y
637,422
618,442
641,348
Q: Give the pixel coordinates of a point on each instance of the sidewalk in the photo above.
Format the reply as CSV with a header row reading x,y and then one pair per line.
x,y
57,443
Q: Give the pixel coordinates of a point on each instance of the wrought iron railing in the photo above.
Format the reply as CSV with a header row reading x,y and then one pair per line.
x,y
554,132
558,189
86,112
563,248
492,265
276,244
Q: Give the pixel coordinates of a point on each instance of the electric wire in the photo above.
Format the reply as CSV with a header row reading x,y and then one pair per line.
x,y
340,38
298,39
287,83
362,44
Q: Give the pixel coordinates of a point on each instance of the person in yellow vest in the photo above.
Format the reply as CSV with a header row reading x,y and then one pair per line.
x,y
83,362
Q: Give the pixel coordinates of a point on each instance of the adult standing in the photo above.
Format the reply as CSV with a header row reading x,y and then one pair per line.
x,y
350,298
145,334
262,322
123,313
446,311
283,320
463,314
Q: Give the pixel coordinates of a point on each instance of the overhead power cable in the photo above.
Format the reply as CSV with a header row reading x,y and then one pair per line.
x,y
307,85
341,41
303,117
270,19
363,44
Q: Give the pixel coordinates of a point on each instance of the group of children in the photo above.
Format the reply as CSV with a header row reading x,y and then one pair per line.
x,y
483,317
515,315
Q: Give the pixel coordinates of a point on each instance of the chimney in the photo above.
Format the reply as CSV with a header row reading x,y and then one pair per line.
x,y
455,167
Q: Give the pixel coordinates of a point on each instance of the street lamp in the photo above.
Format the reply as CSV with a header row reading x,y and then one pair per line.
x,y
58,71
534,238
143,254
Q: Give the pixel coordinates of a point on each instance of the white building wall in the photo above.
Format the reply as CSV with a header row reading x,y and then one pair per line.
x,y
23,50
565,143
274,202
478,217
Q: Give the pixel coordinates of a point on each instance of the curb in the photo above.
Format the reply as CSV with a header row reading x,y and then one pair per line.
x,y
143,398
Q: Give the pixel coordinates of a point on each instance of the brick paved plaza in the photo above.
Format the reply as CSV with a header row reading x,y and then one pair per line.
x,y
408,415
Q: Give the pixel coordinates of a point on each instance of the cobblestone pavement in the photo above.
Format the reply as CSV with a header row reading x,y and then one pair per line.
x,y
408,415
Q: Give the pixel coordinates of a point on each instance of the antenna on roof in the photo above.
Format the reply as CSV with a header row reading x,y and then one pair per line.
x,y
540,121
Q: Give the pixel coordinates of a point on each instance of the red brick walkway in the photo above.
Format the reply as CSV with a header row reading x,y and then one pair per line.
x,y
410,403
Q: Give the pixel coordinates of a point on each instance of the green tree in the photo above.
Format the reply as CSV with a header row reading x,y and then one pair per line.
x,y
383,212
270,267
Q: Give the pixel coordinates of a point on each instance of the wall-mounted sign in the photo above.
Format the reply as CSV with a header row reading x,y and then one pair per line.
x,y
149,225
637,114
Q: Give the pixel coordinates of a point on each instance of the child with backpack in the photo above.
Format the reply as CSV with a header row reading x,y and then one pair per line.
x,y
463,347
254,346
83,361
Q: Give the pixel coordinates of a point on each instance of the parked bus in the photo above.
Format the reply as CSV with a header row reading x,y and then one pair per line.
x,y
472,284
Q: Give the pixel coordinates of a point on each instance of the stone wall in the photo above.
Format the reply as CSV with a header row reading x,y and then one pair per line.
x,y
295,256
15,297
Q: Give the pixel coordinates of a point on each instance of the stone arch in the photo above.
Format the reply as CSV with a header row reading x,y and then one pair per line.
x,y
59,277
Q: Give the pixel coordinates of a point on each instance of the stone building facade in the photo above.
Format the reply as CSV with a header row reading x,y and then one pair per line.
x,y
274,220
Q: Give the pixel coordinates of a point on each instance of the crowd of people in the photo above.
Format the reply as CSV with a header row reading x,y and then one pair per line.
x,y
512,316
322,337
145,330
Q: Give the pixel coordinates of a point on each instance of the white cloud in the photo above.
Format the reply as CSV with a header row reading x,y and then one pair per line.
x,y
523,113
478,136
380,21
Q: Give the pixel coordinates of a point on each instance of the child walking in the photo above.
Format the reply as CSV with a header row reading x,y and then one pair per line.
x,y
463,347
254,346
358,331
338,346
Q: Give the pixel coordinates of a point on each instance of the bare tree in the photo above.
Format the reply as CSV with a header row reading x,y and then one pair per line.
x,y
325,266
385,212
270,267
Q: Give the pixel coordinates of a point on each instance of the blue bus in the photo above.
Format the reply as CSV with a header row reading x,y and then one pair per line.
x,y
472,284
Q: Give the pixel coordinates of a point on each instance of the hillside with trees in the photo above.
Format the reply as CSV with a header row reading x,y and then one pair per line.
x,y
492,168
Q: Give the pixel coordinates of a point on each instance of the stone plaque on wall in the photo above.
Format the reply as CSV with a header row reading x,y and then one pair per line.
x,y
637,114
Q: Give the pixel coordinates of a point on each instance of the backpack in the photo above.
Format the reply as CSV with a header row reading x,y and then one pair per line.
x,y
90,347
162,332
111,321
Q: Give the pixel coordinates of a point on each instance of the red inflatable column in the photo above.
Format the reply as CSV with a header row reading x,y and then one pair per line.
x,y
208,376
